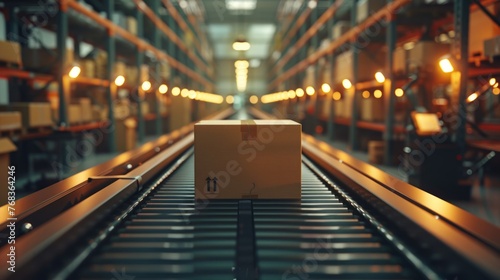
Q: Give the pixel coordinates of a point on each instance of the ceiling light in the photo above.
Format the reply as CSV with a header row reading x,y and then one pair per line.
x,y
366,94
399,92
192,94
493,81
377,93
241,4
299,92
379,76
346,84
184,92
312,4
119,80
336,95
310,90
325,87
446,65
163,89
176,91
241,64
75,71
472,97
146,85
229,99
254,99
241,45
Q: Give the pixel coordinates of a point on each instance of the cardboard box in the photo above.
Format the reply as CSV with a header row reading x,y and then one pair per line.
x,y
376,152
10,53
339,28
368,64
482,28
126,134
144,73
99,113
372,109
88,68
34,114
120,68
180,112
399,60
492,47
367,8
44,60
74,114
164,70
86,108
6,147
426,55
132,25
131,75
10,121
249,159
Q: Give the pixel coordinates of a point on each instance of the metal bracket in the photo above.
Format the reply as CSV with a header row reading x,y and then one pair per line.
x,y
487,12
137,179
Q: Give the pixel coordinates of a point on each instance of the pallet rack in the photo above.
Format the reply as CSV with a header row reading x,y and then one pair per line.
x,y
308,29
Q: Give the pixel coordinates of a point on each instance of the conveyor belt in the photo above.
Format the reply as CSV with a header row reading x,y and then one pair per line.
x,y
171,237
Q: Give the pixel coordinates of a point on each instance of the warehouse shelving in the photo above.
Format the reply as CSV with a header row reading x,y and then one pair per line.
x,y
294,60
95,27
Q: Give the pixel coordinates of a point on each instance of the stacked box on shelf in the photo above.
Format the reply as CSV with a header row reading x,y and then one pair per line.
x,y
368,65
73,114
10,54
164,70
492,47
34,114
144,108
10,121
425,55
132,25
366,8
119,19
399,61
86,107
99,113
120,68
131,74
44,60
101,62
88,68
372,109
6,147
339,28
482,28
144,73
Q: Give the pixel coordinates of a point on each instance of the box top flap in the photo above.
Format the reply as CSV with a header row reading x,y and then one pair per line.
x,y
6,146
245,122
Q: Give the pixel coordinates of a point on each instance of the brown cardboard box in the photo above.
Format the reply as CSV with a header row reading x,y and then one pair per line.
x,y
144,73
44,59
74,114
339,28
180,112
368,65
492,47
126,134
88,68
247,159
399,60
482,28
120,68
34,114
10,53
367,8
376,152
164,70
132,25
86,108
426,55
10,121
99,113
6,147
372,109
131,74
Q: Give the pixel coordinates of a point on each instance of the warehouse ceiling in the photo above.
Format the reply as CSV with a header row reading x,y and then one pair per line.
x,y
227,20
